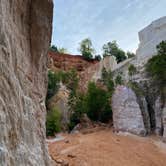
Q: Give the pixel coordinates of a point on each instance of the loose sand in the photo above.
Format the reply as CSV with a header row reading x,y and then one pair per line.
x,y
104,148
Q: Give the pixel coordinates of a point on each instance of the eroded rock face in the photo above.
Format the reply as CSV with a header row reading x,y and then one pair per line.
x,y
25,34
127,116
164,123
149,38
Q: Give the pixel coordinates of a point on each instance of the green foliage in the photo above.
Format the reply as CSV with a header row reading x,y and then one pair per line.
x,y
53,48
62,50
161,48
118,80
53,124
53,84
86,49
98,57
130,54
112,49
97,101
132,70
135,87
156,66
77,108
108,80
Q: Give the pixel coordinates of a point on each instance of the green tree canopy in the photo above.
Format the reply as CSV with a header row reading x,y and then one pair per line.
x,y
130,54
112,49
86,49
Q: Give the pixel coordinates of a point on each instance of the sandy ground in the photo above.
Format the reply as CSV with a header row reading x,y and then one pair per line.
x,y
104,148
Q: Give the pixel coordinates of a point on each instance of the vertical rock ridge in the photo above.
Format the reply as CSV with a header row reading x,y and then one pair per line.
x,y
25,35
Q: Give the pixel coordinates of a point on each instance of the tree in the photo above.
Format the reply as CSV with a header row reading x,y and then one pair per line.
x,y
112,49
156,66
130,54
86,49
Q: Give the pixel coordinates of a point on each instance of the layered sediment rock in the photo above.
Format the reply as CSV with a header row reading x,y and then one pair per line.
x,y
25,35
127,116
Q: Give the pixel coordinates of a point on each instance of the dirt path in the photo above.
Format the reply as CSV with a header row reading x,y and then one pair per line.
x,y
104,148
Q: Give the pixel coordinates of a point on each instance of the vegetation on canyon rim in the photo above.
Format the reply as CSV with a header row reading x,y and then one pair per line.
x,y
88,52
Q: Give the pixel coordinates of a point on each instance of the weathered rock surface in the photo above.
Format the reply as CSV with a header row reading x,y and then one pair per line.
x,y
149,37
158,116
127,114
60,101
25,32
164,124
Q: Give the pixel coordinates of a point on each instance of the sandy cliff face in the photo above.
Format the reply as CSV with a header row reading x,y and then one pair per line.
x,y
25,34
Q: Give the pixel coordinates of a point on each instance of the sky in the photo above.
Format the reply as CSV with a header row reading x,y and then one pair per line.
x,y
103,21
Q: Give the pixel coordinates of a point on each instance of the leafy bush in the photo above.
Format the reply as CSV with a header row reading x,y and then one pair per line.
x,y
108,80
53,84
77,108
53,124
156,66
118,80
97,103
132,70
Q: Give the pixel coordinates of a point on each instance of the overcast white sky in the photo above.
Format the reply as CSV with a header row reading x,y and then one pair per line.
x,y
103,21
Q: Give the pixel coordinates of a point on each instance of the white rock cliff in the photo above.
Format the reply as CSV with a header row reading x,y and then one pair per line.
x,y
25,33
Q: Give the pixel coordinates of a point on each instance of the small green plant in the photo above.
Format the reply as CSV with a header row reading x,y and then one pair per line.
x,y
53,124
118,80
132,70
53,84
130,54
108,80
135,87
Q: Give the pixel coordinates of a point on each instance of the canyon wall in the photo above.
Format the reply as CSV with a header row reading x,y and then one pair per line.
x,y
146,90
25,34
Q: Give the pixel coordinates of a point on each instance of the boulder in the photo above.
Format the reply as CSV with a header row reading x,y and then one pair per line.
x,y
127,116
25,33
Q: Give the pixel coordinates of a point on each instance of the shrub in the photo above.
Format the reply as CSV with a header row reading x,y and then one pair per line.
x,y
77,108
118,80
53,84
132,70
108,80
97,103
53,124
156,66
